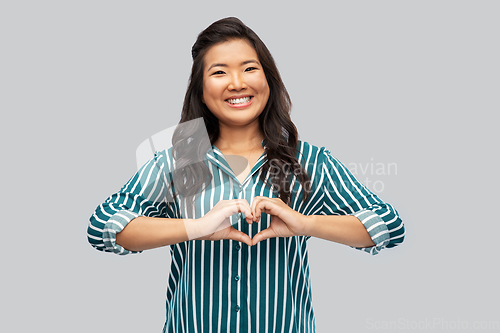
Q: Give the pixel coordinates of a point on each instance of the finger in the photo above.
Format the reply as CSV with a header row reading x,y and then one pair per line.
x,y
255,201
263,235
247,209
264,206
257,209
238,206
257,213
240,236
249,214
267,206
244,207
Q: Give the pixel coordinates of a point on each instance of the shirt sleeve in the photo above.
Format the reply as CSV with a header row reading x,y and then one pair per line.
x,y
345,195
143,195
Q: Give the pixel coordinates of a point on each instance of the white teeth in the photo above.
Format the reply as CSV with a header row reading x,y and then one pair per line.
x,y
239,100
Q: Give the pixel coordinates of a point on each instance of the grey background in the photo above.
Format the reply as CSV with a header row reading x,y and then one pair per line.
x,y
415,83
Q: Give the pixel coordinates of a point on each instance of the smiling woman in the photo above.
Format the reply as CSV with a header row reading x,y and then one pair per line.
x,y
239,239
235,81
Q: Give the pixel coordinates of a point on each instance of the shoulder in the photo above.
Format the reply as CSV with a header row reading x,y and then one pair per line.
x,y
311,157
304,146
162,155
309,151
162,159
315,157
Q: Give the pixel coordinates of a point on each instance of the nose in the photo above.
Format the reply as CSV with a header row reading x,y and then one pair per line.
x,y
237,82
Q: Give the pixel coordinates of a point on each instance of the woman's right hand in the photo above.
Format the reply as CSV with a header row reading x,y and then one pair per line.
x,y
216,224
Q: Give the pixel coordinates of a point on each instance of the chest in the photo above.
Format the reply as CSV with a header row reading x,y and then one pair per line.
x,y
242,165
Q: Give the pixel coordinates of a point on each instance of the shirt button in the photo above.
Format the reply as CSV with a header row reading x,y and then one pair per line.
x,y
237,247
237,277
237,308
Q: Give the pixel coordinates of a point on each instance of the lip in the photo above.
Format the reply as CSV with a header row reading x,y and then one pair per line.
x,y
239,106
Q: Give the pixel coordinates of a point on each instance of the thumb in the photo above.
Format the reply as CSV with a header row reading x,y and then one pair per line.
x,y
263,235
239,236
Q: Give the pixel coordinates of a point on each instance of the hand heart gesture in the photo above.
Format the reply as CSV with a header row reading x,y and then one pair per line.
x,y
216,225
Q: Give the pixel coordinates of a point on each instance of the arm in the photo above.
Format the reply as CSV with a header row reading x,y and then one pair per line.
x,y
349,205
143,195
344,229
144,233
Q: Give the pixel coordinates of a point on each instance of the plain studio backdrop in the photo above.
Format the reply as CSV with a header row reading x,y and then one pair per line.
x,y
402,92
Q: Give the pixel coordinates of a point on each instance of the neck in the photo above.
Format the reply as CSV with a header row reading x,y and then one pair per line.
x,y
239,139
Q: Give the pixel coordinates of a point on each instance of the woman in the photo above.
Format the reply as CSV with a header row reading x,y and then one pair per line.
x,y
238,233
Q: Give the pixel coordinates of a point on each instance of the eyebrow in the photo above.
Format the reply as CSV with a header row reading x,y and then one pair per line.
x,y
224,65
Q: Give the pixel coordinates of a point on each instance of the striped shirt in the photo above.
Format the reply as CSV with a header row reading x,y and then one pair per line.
x,y
228,286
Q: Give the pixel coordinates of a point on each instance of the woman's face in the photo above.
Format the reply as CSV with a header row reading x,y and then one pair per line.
x,y
235,88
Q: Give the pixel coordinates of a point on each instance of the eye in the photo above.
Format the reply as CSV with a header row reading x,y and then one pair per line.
x,y
218,73
250,69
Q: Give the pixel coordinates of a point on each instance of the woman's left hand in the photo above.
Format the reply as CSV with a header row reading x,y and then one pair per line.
x,y
285,222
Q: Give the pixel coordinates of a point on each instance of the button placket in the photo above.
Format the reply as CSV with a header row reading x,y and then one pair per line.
x,y
239,254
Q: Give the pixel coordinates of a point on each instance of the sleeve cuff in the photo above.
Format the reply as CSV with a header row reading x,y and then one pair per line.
x,y
113,226
377,229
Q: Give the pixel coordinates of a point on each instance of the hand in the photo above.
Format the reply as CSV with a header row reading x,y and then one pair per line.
x,y
285,222
216,225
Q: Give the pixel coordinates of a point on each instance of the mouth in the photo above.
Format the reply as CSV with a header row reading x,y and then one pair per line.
x,y
239,102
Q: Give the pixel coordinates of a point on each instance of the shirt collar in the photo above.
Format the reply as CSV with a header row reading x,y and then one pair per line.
x,y
215,156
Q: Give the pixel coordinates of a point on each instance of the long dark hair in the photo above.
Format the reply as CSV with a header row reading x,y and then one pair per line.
x,y
280,133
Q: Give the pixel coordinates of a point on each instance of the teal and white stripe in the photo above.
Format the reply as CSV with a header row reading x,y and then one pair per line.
x,y
227,286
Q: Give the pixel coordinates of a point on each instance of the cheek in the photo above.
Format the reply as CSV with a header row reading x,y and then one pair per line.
x,y
264,90
211,90
206,87
262,85
207,93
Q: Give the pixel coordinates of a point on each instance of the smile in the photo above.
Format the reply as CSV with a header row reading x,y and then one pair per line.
x,y
239,102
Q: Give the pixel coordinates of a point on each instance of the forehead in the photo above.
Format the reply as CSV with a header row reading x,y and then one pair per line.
x,y
231,52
